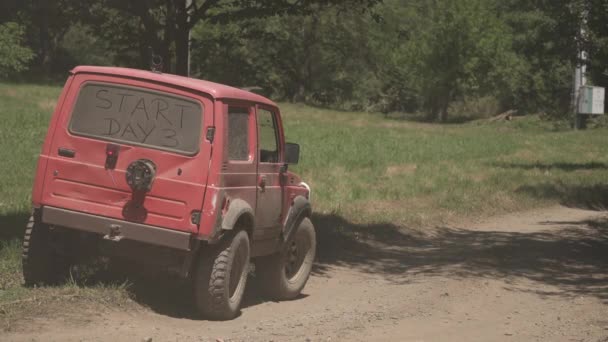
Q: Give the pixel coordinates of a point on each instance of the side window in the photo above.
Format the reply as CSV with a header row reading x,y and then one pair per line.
x,y
267,137
238,133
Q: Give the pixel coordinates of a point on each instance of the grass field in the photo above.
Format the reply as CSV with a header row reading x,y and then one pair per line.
x,y
364,168
368,168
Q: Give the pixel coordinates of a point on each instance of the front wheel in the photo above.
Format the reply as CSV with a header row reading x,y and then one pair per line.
x,y
220,277
282,276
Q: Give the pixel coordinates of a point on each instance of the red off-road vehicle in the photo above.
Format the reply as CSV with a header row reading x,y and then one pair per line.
x,y
183,174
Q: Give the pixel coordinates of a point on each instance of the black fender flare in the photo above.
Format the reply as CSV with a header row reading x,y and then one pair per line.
x,y
236,209
300,209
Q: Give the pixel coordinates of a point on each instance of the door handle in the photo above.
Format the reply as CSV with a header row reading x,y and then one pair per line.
x,y
66,152
262,183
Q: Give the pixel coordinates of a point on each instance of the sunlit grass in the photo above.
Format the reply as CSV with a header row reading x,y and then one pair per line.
x,y
369,168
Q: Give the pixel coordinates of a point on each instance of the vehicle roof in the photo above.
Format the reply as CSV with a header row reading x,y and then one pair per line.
x,y
216,90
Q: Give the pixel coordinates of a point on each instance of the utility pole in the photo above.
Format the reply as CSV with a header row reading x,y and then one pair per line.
x,y
580,75
580,80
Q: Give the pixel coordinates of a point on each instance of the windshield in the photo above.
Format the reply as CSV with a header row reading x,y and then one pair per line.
x,y
138,116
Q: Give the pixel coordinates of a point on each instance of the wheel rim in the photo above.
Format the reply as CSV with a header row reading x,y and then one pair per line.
x,y
295,255
236,273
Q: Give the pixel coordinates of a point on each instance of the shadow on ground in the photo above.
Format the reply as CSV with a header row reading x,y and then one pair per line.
x,y
554,166
162,293
12,225
172,296
573,258
423,118
590,197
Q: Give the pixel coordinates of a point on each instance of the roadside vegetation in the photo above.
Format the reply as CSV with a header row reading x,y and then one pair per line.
x,y
364,167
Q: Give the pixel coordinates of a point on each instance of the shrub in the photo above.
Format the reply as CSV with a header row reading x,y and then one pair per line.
x,y
14,56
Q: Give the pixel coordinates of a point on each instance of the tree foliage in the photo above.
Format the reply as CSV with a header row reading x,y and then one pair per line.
x,y
597,40
164,26
14,56
454,49
426,56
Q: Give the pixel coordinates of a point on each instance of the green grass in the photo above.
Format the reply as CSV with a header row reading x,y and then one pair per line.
x,y
364,167
367,168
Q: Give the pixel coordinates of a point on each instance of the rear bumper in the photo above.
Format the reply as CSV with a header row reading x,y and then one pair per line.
x,y
117,230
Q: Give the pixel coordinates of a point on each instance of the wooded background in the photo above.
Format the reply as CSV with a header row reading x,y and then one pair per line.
x,y
436,57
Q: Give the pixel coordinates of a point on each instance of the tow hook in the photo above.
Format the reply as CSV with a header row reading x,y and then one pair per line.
x,y
114,234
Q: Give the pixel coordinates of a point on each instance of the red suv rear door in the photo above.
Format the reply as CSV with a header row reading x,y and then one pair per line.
x,y
143,120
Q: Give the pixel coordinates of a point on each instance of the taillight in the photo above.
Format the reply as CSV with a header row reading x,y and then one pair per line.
x,y
112,156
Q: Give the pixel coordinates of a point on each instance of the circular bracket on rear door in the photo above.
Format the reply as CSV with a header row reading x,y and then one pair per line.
x,y
140,175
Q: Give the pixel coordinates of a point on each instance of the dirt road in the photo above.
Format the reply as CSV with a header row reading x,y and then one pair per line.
x,y
533,276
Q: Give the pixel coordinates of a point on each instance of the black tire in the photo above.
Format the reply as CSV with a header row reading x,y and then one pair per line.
x,y
220,277
282,276
42,265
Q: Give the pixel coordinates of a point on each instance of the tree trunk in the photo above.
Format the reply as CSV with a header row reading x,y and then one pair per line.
x,y
433,106
182,51
445,98
45,37
182,39
300,94
443,114
168,36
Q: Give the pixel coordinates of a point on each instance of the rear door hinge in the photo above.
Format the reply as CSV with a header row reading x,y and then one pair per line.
x,y
195,217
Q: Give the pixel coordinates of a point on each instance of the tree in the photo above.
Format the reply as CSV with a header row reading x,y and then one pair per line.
x,y
14,57
44,24
391,55
321,57
546,36
456,48
165,25
597,44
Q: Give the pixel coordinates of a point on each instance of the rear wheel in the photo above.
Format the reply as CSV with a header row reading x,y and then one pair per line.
x,y
282,276
220,277
42,263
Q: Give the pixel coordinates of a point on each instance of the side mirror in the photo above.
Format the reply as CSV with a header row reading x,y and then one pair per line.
x,y
292,153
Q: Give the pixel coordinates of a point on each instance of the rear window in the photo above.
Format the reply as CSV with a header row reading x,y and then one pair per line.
x,y
138,116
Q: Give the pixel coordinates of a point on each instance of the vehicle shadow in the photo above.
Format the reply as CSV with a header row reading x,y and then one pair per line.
x,y
172,296
573,258
12,225
164,294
